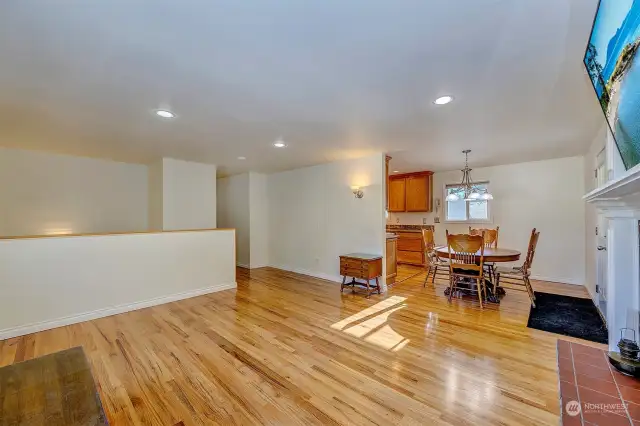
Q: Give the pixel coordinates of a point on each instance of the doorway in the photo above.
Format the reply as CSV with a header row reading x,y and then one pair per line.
x,y
601,265
601,239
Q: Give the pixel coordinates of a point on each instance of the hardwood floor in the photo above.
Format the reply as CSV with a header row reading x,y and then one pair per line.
x,y
289,349
406,272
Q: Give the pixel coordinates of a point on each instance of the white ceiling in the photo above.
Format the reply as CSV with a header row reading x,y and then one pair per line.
x,y
336,79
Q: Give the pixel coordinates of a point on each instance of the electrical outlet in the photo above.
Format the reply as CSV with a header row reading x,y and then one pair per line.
x,y
424,220
436,220
397,220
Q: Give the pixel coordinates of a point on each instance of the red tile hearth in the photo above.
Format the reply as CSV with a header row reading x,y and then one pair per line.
x,y
592,392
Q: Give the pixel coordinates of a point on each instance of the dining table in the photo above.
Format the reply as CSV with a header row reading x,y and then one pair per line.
x,y
491,255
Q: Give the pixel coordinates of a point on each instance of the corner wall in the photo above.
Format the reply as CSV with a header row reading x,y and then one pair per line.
x,y
242,204
182,195
233,212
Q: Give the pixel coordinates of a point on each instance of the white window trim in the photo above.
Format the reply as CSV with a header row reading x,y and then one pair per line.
x,y
469,221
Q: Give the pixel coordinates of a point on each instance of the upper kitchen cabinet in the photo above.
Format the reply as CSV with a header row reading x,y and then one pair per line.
x,y
411,192
397,189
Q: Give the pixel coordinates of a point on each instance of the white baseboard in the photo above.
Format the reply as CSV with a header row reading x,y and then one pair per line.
x,y
8,333
333,278
245,266
556,280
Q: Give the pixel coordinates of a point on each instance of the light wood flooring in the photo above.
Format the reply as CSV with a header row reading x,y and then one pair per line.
x,y
287,349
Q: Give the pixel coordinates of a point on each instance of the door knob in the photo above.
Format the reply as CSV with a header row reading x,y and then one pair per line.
x,y
600,248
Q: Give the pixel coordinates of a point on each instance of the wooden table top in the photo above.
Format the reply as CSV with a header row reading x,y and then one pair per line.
x,y
490,254
362,256
52,390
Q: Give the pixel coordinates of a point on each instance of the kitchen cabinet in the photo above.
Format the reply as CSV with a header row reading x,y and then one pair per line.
x,y
397,189
392,259
410,248
411,192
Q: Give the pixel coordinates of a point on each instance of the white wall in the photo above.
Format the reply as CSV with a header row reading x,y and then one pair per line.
x,y
314,217
258,220
233,212
49,282
189,195
155,195
42,193
243,205
546,195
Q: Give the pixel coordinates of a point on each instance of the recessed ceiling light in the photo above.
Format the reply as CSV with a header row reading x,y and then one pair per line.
x,y
164,113
443,100
242,158
279,143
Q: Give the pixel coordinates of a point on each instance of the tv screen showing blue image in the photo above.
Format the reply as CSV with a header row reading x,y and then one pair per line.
x,y
613,65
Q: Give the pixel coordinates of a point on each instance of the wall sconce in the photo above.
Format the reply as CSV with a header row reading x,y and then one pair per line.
x,y
357,191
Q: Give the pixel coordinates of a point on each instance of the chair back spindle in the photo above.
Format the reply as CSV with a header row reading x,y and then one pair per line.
x,y
466,251
490,236
531,251
429,240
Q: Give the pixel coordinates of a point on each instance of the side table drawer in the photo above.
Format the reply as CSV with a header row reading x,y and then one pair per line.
x,y
354,272
352,263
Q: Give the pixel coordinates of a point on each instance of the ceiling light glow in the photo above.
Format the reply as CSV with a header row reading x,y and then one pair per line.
x,y
164,113
242,158
443,100
279,143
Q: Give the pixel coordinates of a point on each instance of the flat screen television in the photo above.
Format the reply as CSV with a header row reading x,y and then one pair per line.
x,y
613,65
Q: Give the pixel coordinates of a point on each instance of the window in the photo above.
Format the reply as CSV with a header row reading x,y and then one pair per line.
x,y
466,211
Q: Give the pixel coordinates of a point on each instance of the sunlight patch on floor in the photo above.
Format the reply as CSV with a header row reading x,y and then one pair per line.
x,y
371,324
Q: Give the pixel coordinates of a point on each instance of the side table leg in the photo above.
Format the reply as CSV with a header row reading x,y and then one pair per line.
x,y
344,278
378,285
368,288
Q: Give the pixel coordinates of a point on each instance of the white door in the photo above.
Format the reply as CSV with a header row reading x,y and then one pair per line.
x,y
601,265
601,239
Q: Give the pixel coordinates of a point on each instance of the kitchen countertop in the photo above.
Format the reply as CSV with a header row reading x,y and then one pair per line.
x,y
408,228
391,236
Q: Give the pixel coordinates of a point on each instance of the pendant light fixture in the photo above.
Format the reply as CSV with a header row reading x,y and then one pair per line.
x,y
472,192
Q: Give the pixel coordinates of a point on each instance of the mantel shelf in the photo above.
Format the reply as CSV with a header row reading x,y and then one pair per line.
x,y
622,194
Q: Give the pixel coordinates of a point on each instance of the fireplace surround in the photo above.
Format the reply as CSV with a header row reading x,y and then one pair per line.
x,y
619,202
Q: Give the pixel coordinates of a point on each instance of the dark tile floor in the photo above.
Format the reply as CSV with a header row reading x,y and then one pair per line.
x,y
605,397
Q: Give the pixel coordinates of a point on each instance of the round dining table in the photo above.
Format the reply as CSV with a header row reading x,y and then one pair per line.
x,y
491,255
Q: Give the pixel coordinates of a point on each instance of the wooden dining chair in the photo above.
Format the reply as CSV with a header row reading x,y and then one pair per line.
x,y
433,263
490,241
518,276
466,261
490,235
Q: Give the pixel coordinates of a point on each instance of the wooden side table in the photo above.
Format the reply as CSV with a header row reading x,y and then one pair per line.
x,y
361,266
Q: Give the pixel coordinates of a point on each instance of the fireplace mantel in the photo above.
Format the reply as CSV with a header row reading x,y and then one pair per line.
x,y
622,194
619,202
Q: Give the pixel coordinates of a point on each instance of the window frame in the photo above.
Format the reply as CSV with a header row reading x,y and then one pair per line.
x,y
489,219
